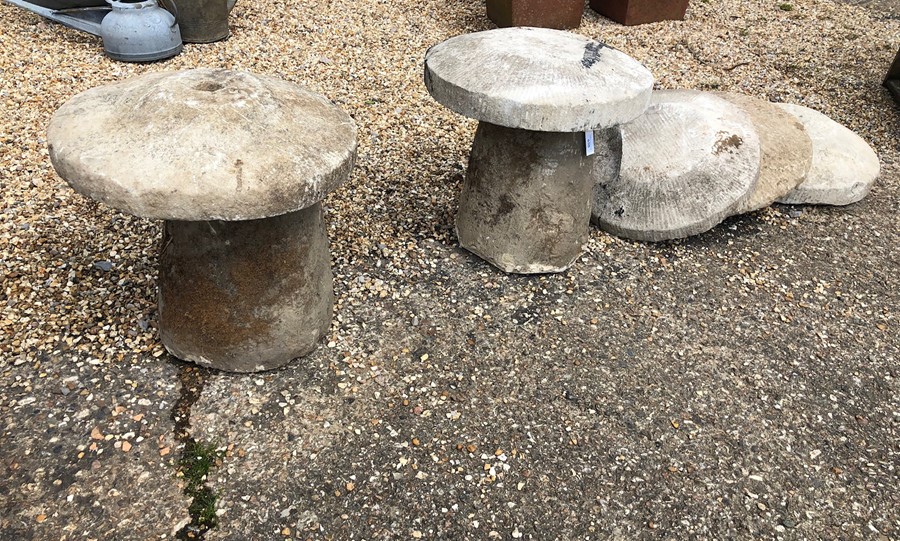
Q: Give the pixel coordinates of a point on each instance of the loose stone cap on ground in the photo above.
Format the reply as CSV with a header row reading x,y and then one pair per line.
x,y
844,166
537,79
785,146
202,144
686,162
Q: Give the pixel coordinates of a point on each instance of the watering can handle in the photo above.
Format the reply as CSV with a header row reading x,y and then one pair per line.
x,y
175,9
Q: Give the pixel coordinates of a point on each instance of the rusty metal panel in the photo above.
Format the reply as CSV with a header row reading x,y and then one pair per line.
x,y
558,14
632,12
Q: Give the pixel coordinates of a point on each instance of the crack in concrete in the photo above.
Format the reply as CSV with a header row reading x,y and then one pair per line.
x,y
192,380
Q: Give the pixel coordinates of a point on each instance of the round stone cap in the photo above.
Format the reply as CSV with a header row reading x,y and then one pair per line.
x,y
785,146
537,79
844,167
686,163
202,144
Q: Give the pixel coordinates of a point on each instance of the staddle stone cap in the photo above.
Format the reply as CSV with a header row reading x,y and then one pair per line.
x,y
786,150
844,167
203,144
537,79
686,163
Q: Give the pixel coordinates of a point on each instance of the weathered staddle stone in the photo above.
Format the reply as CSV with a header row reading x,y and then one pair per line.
x,y
525,201
687,162
236,164
785,146
844,166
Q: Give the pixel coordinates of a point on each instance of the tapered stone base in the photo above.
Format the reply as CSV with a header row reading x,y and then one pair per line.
x,y
525,206
245,296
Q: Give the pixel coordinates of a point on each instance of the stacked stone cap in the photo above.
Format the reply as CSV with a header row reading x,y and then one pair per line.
x,y
687,162
786,150
202,144
844,167
537,79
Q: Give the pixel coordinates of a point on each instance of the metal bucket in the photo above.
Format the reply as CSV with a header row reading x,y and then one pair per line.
x,y
203,21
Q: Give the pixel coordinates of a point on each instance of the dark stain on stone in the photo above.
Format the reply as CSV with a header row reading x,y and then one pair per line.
x,y
592,54
506,206
727,144
209,86
620,212
239,165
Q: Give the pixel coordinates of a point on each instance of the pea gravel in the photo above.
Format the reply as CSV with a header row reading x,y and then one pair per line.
x,y
739,384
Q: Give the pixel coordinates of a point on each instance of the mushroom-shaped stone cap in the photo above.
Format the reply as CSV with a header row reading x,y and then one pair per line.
x,y
537,79
203,144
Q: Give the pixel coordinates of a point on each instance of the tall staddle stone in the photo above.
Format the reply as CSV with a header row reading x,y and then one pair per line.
x,y
236,164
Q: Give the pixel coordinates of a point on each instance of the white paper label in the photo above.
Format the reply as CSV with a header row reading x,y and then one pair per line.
x,y
589,143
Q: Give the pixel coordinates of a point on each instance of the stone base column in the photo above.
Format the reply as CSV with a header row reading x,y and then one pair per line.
x,y
248,295
525,206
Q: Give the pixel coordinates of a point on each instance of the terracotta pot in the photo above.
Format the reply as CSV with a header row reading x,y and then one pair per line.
x,y
631,12
559,14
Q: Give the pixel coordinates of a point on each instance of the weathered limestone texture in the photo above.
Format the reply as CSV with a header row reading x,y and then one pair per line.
x,y
248,295
844,167
236,165
686,163
786,150
523,181
537,79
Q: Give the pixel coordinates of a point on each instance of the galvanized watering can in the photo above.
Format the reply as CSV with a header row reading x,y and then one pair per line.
x,y
139,31
132,30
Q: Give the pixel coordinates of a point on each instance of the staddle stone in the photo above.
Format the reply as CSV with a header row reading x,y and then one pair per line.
x,y
785,146
537,79
236,164
843,168
686,163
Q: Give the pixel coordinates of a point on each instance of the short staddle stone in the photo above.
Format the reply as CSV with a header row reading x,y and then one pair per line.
x,y
245,296
525,204
844,167
785,146
537,79
686,163
202,144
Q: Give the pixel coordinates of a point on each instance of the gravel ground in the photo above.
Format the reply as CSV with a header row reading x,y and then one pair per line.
x,y
740,384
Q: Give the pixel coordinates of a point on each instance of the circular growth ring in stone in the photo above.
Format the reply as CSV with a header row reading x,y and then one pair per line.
x,y
203,144
537,79
686,163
